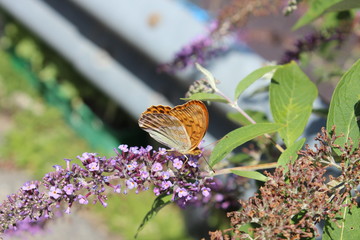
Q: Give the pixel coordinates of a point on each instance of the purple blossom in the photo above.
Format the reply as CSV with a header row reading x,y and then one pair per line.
x,y
144,174
57,167
123,148
132,165
26,227
166,185
312,42
117,188
165,175
69,189
94,166
28,186
112,162
82,199
85,156
156,191
182,192
134,150
177,163
219,197
55,192
200,50
156,167
68,210
192,163
162,151
130,183
101,200
205,191
225,205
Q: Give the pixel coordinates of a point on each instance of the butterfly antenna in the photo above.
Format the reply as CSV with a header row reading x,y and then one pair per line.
x,y
213,143
208,164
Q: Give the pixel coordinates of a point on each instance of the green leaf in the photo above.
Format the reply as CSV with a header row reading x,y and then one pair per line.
x,y
345,106
290,154
345,5
239,136
159,202
240,158
251,78
320,7
206,97
247,228
291,97
350,227
250,174
209,77
316,9
259,117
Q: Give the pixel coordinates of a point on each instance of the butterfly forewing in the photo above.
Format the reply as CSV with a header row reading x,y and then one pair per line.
x,y
181,128
195,119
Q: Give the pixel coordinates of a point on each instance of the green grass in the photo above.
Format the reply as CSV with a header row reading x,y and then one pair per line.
x,y
129,210
38,138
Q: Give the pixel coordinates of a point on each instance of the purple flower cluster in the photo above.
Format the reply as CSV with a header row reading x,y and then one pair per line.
x,y
132,168
221,32
311,42
225,193
200,50
168,173
29,226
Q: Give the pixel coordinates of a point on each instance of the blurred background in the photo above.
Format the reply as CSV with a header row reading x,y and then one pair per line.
x,y
76,74
74,77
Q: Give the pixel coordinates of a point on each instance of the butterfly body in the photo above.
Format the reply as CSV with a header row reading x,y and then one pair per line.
x,y
181,128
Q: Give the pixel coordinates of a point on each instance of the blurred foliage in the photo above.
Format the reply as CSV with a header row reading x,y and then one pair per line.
x,y
37,137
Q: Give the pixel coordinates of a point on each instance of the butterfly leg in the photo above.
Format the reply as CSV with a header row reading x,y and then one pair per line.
x,y
186,159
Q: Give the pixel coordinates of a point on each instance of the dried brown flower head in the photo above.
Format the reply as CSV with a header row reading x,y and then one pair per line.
x,y
292,202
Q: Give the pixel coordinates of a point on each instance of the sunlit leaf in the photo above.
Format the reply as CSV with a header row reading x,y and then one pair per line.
x,y
291,97
349,224
240,158
290,154
344,108
345,5
251,78
251,174
206,97
319,7
209,77
239,136
316,9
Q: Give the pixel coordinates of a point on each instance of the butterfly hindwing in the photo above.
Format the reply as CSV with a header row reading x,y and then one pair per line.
x,y
165,129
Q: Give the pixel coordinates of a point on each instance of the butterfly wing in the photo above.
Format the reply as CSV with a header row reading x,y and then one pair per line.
x,y
181,128
165,129
195,118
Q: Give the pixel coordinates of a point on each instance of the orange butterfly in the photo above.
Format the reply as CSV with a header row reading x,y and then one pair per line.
x,y
180,128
